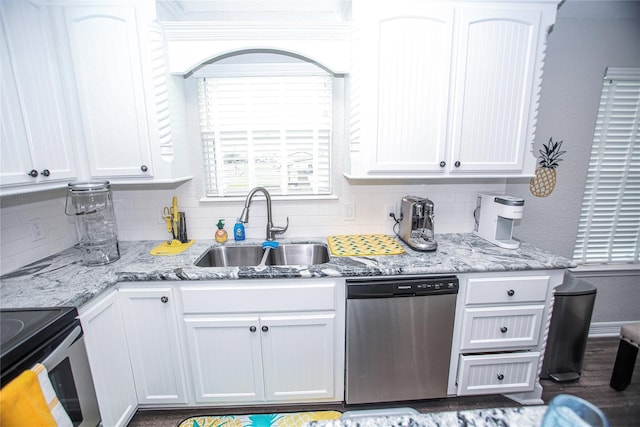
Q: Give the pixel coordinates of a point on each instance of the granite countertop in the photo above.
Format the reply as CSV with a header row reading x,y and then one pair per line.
x,y
62,280
526,416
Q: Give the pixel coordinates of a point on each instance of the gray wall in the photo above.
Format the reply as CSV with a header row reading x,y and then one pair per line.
x,y
588,37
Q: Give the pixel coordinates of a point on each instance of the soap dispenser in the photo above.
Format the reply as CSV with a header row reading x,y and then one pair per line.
x,y
221,234
238,230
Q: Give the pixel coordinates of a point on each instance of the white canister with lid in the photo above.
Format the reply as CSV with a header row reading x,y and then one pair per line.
x,y
92,205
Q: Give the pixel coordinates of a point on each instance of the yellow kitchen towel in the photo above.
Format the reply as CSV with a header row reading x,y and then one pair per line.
x,y
55,407
364,245
22,403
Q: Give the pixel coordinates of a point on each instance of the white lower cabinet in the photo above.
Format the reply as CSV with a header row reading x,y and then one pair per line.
x,y
279,341
152,335
498,373
499,328
107,350
275,358
298,356
500,333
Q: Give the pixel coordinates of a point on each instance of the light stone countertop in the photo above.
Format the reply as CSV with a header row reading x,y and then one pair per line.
x,y
62,280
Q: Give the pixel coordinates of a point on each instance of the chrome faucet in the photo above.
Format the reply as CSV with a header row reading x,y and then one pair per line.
x,y
271,229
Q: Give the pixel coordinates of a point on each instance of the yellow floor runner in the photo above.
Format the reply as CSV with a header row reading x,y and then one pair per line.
x,y
364,245
295,419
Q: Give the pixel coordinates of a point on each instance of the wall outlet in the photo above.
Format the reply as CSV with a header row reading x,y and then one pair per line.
x,y
37,229
389,209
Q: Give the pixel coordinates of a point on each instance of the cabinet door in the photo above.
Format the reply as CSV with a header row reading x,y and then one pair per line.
x,y
108,354
225,358
152,334
35,136
105,53
298,356
494,112
402,64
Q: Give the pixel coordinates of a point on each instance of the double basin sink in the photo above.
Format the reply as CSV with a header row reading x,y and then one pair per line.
x,y
251,255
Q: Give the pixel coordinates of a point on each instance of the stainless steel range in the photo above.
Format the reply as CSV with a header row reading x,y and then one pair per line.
x,y
399,333
53,337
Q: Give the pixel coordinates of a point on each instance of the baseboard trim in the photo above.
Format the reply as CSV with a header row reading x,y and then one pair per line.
x,y
606,329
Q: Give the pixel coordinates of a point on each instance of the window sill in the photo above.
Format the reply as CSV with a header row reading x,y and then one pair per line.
x,y
273,198
601,270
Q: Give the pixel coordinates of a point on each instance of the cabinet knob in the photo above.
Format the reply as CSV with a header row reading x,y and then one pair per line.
x,y
500,377
265,328
457,164
511,292
144,168
252,329
33,173
443,164
164,299
503,329
45,172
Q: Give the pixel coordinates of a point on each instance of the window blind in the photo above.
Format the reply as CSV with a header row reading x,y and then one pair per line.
x,y
609,226
269,131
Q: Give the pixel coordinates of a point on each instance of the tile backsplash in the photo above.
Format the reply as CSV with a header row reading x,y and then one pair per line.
x,y
356,209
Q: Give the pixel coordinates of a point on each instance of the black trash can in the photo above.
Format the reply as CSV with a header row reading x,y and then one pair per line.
x,y
569,329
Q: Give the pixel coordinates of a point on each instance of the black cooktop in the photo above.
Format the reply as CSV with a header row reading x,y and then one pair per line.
x,y
25,330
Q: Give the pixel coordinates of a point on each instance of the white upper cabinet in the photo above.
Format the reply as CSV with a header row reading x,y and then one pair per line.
x,y
401,75
104,48
117,65
444,88
493,112
36,141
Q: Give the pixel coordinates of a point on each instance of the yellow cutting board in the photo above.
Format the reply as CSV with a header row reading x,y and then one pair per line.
x,y
364,245
172,247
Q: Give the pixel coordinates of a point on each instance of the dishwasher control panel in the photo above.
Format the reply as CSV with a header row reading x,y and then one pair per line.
x,y
397,287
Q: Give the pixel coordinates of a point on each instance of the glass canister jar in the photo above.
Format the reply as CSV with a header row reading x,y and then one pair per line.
x,y
92,205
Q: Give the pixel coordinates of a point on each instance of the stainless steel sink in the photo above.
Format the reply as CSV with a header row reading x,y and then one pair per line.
x,y
251,255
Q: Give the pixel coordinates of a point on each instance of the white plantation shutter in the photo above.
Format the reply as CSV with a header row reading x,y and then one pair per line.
x,y
609,225
268,131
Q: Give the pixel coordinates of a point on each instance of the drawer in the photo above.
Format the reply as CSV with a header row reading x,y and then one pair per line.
x,y
499,328
498,290
258,297
497,373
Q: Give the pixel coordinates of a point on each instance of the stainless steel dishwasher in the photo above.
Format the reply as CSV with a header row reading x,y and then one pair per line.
x,y
399,333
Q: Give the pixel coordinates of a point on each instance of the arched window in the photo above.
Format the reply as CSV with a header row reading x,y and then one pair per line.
x,y
265,120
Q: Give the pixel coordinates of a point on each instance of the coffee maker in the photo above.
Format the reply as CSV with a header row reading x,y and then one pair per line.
x,y
416,223
494,217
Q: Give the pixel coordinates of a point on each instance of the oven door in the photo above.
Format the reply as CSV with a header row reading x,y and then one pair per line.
x,y
70,376
65,358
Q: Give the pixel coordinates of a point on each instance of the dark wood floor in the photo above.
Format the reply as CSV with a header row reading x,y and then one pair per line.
x,y
622,408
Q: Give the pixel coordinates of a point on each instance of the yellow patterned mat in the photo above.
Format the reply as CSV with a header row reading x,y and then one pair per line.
x,y
364,245
295,419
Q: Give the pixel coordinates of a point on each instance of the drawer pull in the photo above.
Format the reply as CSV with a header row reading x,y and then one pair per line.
x,y
252,329
265,328
164,299
511,292
500,377
503,329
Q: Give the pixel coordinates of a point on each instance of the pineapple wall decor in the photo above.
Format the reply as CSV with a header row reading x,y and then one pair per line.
x,y
545,180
